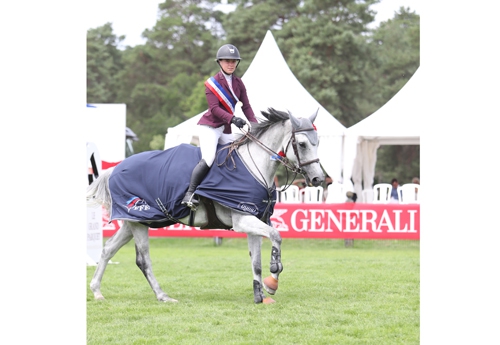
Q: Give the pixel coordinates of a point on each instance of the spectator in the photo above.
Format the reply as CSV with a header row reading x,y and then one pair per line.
x,y
394,190
416,180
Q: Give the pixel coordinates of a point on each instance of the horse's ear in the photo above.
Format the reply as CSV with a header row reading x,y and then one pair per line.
x,y
313,116
295,122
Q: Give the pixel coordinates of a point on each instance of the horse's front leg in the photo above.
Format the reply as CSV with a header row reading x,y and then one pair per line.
x,y
253,226
271,282
143,261
254,247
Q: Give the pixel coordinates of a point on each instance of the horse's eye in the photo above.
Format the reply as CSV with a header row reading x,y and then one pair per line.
x,y
302,145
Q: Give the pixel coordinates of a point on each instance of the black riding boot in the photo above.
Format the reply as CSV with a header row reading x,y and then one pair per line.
x,y
198,174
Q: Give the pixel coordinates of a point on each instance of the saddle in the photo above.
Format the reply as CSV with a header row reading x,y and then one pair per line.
x,y
213,222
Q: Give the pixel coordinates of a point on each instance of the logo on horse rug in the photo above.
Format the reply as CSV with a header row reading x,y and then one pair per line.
x,y
149,186
137,204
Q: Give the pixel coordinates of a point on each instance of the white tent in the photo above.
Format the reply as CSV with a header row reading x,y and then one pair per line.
x,y
270,83
396,123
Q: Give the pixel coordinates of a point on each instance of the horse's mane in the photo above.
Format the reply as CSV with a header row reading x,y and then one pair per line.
x,y
272,116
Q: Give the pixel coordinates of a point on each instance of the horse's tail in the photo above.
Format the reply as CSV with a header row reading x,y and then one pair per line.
x,y
98,191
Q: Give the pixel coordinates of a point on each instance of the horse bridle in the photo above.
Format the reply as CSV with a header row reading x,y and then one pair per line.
x,y
283,160
293,140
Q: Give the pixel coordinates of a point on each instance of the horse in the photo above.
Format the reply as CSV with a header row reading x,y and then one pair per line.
x,y
287,140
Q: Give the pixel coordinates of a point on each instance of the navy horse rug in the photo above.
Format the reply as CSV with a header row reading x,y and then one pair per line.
x,y
148,187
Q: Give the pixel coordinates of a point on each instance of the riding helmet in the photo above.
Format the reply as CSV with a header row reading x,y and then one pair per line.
x,y
228,51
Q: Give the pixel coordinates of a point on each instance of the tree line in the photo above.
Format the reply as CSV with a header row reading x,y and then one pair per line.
x,y
350,69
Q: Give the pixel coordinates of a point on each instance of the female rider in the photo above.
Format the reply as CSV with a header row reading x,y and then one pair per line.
x,y
223,91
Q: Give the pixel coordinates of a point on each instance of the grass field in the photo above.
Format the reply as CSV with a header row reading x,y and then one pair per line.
x,y
328,294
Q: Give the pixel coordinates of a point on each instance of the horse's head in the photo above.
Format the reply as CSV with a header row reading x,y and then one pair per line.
x,y
302,148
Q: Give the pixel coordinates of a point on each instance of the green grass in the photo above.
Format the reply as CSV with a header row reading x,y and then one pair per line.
x,y
328,294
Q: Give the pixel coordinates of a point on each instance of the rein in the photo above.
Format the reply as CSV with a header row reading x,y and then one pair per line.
x,y
280,156
283,160
234,145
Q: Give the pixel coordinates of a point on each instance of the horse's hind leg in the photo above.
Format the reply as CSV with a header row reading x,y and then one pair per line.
x,y
111,247
143,261
254,247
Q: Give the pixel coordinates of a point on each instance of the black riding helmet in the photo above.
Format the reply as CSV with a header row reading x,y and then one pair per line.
x,y
228,51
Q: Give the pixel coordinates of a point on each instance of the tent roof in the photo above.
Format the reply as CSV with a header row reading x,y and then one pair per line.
x,y
397,122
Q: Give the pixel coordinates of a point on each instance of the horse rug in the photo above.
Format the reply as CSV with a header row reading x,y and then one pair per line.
x,y
148,187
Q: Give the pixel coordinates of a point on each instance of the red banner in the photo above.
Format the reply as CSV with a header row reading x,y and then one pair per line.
x,y
349,220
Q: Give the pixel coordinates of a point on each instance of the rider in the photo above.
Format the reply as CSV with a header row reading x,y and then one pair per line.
x,y
223,91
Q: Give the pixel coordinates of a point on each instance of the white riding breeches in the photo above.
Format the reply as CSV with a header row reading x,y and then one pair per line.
x,y
209,138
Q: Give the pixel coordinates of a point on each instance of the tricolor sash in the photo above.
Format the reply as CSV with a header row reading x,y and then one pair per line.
x,y
217,89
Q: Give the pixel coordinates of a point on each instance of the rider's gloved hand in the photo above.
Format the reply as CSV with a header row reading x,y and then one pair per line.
x,y
238,122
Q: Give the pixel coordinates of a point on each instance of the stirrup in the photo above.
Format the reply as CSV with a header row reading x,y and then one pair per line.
x,y
192,202
191,205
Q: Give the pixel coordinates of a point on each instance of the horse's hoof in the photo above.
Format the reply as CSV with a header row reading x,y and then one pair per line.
x,y
270,284
99,298
268,300
168,299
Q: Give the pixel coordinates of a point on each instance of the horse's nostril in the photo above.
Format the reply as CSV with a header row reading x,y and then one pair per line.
x,y
316,181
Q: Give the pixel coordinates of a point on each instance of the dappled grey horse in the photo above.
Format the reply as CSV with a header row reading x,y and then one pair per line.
x,y
279,139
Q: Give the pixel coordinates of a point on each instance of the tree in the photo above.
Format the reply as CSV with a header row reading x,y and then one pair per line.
x,y
325,47
186,36
152,108
248,24
103,64
160,81
396,45
397,161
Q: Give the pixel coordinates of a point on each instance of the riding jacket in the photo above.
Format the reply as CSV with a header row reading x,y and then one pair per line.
x,y
216,114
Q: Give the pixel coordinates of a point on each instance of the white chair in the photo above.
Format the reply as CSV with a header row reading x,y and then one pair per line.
x,y
335,193
382,193
409,193
290,194
368,196
313,195
278,194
